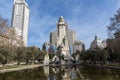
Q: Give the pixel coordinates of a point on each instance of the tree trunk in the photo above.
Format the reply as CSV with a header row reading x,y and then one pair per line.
x,y
3,65
27,61
34,61
18,63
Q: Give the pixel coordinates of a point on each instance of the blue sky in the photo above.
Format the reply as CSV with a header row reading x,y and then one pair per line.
x,y
86,17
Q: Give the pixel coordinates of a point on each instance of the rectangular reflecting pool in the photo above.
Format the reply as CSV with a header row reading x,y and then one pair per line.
x,y
63,73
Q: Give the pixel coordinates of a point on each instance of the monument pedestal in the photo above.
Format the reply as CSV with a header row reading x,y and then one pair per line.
x,y
46,59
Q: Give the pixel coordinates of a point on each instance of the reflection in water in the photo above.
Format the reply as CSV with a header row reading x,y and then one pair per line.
x,y
63,73
46,70
83,73
31,74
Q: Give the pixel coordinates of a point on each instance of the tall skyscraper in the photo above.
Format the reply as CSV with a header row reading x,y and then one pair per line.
x,y
20,19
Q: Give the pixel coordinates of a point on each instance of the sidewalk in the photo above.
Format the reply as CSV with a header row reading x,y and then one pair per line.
x,y
21,68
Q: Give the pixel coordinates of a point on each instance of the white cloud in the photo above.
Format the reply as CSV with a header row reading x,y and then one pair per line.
x,y
40,28
86,20
85,30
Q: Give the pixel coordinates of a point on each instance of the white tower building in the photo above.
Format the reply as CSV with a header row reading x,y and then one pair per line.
x,y
61,29
97,43
62,39
20,19
71,35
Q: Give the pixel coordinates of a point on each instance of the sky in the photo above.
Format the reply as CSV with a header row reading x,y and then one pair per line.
x,y
86,17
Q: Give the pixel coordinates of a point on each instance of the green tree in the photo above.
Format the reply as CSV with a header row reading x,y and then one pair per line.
x,y
34,53
86,55
2,59
20,55
101,55
40,55
94,56
5,56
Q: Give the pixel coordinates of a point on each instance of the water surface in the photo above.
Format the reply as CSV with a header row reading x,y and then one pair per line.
x,y
63,73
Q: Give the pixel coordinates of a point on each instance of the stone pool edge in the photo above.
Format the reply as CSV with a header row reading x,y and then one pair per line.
x,y
21,68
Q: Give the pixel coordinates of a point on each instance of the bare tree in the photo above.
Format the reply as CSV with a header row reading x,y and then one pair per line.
x,y
3,25
114,25
113,45
4,39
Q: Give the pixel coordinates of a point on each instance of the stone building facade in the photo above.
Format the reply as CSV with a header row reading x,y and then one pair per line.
x,y
78,45
97,43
